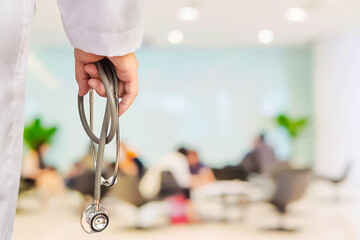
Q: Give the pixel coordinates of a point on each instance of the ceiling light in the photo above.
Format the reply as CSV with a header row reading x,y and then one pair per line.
x,y
188,14
296,14
266,36
175,37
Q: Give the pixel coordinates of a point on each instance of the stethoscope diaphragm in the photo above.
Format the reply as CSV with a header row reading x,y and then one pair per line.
x,y
95,218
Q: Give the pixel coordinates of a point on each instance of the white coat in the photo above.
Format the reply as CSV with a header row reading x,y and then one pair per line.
x,y
103,27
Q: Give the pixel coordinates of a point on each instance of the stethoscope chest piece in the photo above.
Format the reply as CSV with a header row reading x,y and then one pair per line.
x,y
94,219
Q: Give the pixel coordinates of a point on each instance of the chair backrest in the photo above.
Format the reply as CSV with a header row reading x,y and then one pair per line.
x,y
127,189
345,174
230,173
169,186
291,185
85,183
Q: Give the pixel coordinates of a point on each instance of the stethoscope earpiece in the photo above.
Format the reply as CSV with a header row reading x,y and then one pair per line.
x,y
94,219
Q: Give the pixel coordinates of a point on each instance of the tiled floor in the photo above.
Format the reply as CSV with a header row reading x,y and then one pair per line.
x,y
317,216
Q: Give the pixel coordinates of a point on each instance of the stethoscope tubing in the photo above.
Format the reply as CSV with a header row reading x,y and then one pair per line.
x,y
109,78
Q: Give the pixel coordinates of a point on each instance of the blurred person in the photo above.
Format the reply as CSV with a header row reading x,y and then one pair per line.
x,y
261,159
170,180
85,163
30,165
131,170
96,29
130,163
77,169
49,184
33,162
200,174
260,166
173,164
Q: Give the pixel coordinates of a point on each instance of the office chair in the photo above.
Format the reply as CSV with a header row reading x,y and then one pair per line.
x,y
291,185
336,181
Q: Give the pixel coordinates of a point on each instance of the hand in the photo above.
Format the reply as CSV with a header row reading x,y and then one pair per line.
x,y
126,68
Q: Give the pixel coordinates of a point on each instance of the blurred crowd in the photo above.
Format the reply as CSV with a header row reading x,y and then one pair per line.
x,y
180,182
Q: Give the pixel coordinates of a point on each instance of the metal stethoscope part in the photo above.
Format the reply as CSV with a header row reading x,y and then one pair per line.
x,y
95,218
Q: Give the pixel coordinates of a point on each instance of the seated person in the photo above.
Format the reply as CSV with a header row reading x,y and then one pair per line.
x,y
261,159
171,170
169,179
130,164
200,174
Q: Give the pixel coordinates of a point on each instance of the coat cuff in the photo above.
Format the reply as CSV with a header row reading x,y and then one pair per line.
x,y
106,43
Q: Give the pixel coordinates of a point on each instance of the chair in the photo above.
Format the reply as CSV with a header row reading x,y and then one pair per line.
x,y
169,187
85,183
336,181
291,185
127,189
230,173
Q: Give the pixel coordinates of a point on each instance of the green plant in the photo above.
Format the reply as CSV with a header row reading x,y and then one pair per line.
x,y
36,135
293,126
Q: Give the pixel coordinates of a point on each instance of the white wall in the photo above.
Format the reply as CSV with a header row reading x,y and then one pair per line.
x,y
214,99
337,104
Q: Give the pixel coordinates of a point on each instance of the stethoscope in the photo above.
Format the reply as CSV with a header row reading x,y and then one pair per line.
x,y
95,218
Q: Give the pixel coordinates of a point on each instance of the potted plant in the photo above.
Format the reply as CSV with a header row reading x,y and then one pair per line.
x,y
294,127
36,137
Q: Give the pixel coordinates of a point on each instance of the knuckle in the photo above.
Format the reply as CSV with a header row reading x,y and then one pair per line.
x,y
129,76
126,65
136,63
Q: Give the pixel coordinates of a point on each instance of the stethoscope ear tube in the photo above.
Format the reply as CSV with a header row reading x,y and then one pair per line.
x,y
109,78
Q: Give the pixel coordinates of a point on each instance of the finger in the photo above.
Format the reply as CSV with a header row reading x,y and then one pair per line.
x,y
98,86
92,71
82,78
126,67
131,91
121,90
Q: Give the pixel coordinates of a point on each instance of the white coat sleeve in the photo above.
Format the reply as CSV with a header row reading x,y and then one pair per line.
x,y
103,27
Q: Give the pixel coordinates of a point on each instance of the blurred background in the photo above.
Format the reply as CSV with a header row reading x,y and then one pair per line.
x,y
246,126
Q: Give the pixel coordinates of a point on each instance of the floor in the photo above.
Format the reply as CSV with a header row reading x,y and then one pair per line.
x,y
317,216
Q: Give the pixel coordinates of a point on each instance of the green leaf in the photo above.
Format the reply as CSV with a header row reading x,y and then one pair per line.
x,y
293,126
35,134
